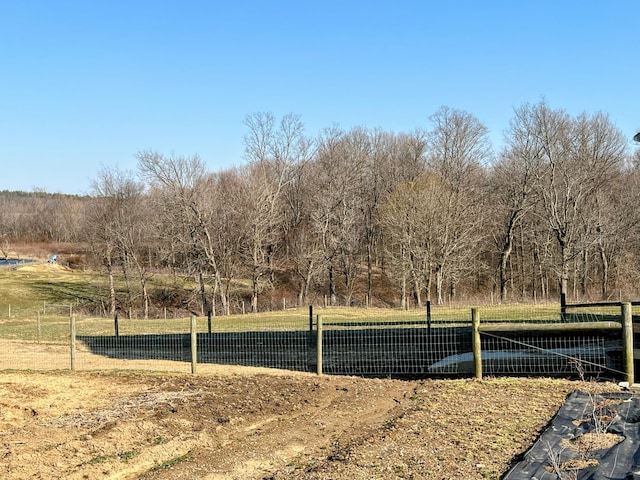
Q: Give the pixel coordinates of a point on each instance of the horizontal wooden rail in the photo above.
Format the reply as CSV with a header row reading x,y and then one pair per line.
x,y
549,327
625,326
593,304
599,304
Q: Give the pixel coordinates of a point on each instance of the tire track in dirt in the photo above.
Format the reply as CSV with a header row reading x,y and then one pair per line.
x,y
271,442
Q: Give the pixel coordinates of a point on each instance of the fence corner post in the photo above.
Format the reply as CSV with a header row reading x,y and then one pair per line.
x,y
319,345
627,343
194,345
475,343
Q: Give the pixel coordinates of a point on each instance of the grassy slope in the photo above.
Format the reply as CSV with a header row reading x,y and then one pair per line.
x,y
28,290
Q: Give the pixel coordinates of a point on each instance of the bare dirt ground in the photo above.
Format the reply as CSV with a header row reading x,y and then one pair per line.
x,y
244,424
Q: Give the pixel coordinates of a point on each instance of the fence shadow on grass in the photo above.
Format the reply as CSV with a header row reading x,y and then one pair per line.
x,y
373,352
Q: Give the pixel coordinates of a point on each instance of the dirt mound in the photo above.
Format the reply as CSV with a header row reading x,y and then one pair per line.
x,y
43,267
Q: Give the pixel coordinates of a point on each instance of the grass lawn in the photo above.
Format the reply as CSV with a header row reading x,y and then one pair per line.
x,y
51,292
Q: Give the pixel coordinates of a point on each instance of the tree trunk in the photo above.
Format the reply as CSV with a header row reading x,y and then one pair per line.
x,y
585,273
203,294
564,275
254,290
333,297
127,282
145,296
504,259
112,288
439,284
369,268
604,279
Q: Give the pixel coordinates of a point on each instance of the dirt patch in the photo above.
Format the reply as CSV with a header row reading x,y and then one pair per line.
x,y
44,267
258,426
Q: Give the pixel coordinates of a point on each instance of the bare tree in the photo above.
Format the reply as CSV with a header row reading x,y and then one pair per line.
x,y
181,184
275,151
335,203
410,217
458,149
115,224
577,158
302,250
513,192
391,161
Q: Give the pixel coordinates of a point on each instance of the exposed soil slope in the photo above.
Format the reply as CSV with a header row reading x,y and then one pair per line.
x,y
266,426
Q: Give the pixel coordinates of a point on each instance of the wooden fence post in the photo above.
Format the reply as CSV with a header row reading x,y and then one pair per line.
x,y
194,345
475,343
73,343
627,342
319,345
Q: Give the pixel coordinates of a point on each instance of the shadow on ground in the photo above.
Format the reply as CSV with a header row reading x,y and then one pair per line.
x,y
393,352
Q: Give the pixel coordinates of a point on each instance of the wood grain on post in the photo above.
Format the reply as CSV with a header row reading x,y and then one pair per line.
x,y
194,345
627,342
550,327
475,343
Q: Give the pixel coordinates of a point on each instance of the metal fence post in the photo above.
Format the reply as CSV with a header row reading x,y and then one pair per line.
x,y
194,345
475,343
627,342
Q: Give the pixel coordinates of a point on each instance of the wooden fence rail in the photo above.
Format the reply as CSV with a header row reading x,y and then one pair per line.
x,y
625,326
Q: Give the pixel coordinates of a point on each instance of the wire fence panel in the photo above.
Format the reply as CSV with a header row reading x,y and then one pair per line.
x,y
365,342
134,344
375,351
31,355
283,341
287,350
595,354
394,346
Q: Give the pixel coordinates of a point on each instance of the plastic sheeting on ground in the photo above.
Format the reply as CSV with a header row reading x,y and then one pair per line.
x,y
575,418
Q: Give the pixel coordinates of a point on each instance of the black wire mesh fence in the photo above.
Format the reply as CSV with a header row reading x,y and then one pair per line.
x,y
364,342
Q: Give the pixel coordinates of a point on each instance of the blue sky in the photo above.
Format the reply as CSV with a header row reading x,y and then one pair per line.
x,y
87,84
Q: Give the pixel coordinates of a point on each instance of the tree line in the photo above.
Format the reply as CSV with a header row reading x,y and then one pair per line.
x,y
368,215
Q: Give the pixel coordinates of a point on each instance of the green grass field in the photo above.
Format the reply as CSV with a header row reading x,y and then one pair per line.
x,y
50,294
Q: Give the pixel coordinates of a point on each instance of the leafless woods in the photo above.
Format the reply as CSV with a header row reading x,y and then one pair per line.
x,y
367,215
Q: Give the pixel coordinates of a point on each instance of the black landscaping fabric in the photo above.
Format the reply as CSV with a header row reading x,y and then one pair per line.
x,y
620,462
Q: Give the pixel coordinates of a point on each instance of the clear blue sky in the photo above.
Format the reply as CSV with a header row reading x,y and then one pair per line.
x,y
86,84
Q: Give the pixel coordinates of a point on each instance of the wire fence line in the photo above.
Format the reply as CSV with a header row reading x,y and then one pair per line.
x,y
371,342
